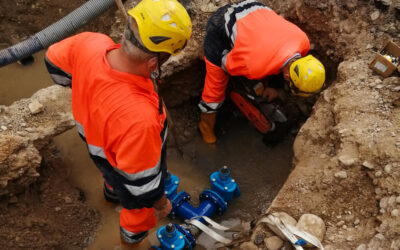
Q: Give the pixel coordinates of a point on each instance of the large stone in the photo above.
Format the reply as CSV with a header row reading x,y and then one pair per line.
x,y
348,160
20,145
312,224
273,243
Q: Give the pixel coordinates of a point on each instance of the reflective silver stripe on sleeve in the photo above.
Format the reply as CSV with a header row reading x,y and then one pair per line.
x,y
244,3
223,62
209,107
61,80
80,129
150,186
227,17
97,151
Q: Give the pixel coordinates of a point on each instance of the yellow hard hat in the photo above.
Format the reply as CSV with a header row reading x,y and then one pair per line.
x,y
164,25
307,76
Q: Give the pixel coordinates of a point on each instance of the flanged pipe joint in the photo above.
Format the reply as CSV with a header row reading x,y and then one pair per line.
x,y
214,201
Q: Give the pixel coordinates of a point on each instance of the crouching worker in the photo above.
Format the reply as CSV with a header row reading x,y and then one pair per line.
x,y
117,110
249,39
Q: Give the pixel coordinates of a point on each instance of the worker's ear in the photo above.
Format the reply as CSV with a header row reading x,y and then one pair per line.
x,y
152,64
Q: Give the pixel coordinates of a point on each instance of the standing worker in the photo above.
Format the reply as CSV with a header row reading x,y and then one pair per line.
x,y
117,110
249,39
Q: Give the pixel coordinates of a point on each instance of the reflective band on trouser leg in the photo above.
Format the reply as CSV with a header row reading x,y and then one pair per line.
x,y
135,223
214,87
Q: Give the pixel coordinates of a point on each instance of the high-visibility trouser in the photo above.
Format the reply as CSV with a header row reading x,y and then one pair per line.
x,y
134,222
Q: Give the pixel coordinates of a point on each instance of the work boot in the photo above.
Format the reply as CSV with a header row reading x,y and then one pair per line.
x,y
143,244
206,126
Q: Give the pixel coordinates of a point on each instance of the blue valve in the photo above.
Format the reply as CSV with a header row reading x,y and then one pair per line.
x,y
171,185
174,237
224,185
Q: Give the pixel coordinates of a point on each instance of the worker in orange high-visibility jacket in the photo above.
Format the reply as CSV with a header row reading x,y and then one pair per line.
x,y
249,39
117,110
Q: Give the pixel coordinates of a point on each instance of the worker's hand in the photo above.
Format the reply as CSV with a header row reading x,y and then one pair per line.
x,y
270,93
162,211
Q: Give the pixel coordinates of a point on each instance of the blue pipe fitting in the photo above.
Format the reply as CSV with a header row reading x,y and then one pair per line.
x,y
214,201
209,196
176,202
173,236
171,185
224,185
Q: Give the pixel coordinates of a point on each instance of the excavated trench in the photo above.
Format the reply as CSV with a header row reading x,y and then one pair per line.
x,y
68,192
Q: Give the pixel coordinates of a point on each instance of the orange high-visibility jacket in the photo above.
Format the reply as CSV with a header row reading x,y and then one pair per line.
x,y
261,40
246,39
116,113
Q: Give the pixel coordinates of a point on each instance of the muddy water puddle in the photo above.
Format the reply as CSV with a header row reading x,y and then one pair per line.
x,y
259,170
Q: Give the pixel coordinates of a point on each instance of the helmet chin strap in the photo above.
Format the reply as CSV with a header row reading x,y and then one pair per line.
x,y
157,82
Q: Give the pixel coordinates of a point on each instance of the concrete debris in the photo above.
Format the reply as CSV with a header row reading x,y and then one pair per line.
x,y
341,175
388,168
348,160
375,15
368,165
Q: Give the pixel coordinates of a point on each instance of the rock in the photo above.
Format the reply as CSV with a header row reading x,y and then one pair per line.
x,y
248,246
273,243
375,15
378,173
341,175
313,225
348,160
398,199
392,201
379,236
57,209
383,203
368,165
395,213
35,107
388,168
4,128
356,222
67,200
340,223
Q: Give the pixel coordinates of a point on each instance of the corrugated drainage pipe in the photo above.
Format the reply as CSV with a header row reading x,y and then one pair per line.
x,y
55,32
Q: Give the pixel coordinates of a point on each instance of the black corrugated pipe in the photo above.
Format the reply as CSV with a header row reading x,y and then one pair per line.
x,y
55,32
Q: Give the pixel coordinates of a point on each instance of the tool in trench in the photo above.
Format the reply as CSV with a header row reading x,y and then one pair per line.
x,y
263,115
